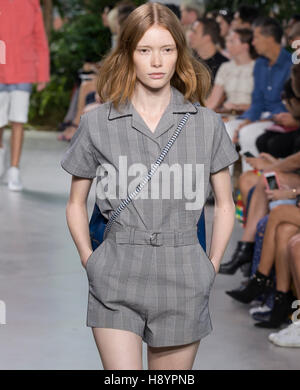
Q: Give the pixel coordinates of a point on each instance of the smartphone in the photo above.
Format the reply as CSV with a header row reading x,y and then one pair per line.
x,y
271,180
248,154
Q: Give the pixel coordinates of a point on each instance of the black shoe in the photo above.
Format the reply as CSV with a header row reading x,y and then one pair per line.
x,y
243,254
258,284
280,312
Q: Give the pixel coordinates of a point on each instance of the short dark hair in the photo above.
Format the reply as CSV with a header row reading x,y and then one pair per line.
x,y
248,13
246,36
175,9
270,27
211,28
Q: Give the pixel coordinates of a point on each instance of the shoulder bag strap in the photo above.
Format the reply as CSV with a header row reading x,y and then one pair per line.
x,y
151,172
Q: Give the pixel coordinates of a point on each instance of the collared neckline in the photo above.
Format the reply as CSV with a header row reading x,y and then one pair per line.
x,y
177,105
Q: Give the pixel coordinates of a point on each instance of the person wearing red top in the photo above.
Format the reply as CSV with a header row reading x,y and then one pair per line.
x,y
24,61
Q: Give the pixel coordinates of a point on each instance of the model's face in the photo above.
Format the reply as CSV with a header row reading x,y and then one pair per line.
x,y
156,52
196,37
234,44
260,42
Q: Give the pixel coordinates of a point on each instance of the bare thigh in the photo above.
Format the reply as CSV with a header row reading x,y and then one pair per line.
x,y
178,357
119,349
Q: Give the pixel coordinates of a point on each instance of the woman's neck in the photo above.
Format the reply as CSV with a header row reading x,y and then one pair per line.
x,y
151,102
242,59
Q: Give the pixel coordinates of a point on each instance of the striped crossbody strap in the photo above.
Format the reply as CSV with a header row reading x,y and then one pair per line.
x,y
151,172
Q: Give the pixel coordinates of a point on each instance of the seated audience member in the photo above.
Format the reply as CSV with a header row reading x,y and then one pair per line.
x,y
244,16
290,335
287,171
224,19
87,86
203,39
190,11
281,143
271,71
87,92
234,79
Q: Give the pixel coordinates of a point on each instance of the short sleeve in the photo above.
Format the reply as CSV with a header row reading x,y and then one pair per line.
x,y
80,157
221,75
223,149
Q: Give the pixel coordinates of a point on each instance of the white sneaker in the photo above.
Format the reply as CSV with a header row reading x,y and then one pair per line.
x,y
287,337
14,179
2,156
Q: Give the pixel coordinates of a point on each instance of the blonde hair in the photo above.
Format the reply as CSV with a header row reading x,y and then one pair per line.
x,y
117,77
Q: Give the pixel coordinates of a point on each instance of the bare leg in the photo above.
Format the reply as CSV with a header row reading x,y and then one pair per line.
x,y
172,358
278,215
259,202
16,143
294,261
284,232
246,181
85,88
258,209
119,349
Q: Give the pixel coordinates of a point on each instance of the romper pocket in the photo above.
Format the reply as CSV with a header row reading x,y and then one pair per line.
x,y
209,262
91,259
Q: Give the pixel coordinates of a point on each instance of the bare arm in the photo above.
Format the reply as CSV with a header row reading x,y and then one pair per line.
x,y
77,216
288,164
224,215
215,98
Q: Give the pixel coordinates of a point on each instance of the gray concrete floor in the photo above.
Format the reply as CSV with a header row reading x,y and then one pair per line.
x,y
45,288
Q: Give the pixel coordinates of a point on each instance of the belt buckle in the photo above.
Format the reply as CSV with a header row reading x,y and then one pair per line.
x,y
154,239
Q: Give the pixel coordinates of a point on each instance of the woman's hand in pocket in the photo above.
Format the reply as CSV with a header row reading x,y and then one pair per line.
x,y
85,257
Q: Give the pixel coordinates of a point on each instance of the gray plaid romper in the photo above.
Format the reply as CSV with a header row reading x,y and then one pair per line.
x,y
150,275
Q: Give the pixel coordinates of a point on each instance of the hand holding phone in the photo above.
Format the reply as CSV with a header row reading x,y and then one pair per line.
x,y
271,180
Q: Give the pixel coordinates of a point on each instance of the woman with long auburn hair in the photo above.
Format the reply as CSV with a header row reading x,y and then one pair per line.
x,y
150,279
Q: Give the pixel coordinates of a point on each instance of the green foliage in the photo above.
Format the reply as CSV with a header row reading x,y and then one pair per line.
x,y
82,39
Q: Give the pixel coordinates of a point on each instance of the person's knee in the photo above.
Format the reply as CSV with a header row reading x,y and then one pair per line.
x,y
283,231
294,248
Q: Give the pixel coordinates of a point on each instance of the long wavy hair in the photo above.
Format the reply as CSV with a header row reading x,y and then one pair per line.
x,y
116,78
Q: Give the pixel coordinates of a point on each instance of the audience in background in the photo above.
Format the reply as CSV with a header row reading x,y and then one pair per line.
x,y
203,39
234,80
224,19
244,16
271,71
